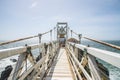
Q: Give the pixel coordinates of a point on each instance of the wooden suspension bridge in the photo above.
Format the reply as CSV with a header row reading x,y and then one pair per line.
x,y
62,59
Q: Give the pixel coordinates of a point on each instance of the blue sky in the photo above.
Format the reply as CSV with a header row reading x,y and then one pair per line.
x,y
99,19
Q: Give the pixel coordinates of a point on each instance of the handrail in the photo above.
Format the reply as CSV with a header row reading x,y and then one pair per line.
x,y
25,38
107,56
98,41
104,43
3,43
74,67
4,53
48,51
80,66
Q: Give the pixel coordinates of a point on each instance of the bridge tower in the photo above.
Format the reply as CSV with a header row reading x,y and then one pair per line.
x,y
62,33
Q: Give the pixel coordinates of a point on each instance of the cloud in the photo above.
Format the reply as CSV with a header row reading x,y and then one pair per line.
x,y
34,4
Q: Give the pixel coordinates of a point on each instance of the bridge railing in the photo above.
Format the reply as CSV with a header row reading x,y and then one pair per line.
x,y
88,57
38,65
107,56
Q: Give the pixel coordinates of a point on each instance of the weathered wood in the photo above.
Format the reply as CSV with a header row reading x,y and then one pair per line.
x,y
31,59
60,69
80,66
40,62
94,70
107,56
19,66
84,61
74,67
17,50
73,70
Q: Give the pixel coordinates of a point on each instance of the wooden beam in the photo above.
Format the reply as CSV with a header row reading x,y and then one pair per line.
x,y
40,62
80,66
19,66
107,56
94,70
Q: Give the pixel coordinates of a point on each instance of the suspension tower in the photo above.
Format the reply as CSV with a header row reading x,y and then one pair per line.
x,y
62,33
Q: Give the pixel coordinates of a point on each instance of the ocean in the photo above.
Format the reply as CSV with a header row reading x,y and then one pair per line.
x,y
114,71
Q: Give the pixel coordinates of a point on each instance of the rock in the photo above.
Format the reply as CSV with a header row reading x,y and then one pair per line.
x,y
39,57
6,73
13,60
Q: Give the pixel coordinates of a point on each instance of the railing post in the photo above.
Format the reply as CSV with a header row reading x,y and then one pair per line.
x,y
51,35
40,36
54,33
21,61
71,33
80,36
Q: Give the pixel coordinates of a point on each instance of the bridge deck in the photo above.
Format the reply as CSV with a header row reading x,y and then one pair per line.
x,y
60,69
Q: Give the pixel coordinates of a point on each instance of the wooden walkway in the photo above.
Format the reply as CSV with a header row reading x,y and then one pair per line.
x,y
60,69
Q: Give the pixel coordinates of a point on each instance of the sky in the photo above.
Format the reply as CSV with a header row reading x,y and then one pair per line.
x,y
98,19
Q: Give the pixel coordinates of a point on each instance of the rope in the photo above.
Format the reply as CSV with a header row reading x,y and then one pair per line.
x,y
45,32
3,43
104,43
75,33
12,41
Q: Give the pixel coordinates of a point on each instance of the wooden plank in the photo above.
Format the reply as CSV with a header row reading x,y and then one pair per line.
x,y
4,53
60,69
93,68
19,66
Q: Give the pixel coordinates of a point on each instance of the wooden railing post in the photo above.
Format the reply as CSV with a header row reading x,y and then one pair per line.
x,y
80,36
40,36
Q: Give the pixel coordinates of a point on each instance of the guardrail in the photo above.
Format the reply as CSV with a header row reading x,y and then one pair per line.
x,y
107,56
85,65
47,53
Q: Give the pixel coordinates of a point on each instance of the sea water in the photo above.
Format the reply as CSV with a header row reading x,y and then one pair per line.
x,y
114,71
